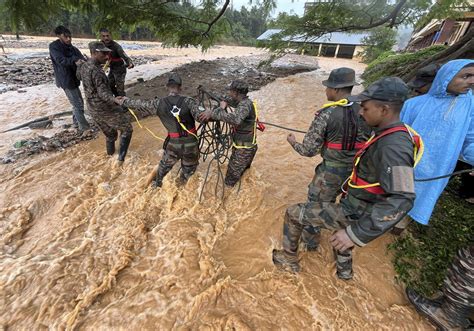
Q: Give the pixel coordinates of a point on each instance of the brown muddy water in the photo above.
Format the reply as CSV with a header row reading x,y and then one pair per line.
x,y
85,245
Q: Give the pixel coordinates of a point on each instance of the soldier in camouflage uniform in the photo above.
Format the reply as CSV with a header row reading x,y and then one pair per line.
x,y
337,132
108,116
119,63
177,113
453,309
244,120
380,190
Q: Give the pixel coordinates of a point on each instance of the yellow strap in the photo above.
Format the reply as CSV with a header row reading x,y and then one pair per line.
x,y
143,126
417,154
106,65
254,139
341,102
184,128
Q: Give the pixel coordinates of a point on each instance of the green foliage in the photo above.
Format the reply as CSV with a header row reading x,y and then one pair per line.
x,y
392,65
422,257
175,23
379,41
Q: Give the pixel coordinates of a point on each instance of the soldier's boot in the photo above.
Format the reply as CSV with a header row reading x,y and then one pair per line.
x,y
344,264
158,181
285,260
110,146
124,143
433,311
310,238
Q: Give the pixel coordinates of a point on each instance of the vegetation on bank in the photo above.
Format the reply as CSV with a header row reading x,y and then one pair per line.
x,y
423,254
391,64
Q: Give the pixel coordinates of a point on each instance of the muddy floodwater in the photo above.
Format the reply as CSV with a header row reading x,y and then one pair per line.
x,y
86,245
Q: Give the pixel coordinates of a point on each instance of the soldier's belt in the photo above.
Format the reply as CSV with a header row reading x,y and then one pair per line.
x,y
244,143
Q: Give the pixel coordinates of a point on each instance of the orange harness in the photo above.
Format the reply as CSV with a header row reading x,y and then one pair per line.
x,y
356,182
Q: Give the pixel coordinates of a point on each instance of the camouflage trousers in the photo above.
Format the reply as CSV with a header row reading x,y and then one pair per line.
x,y
240,160
188,153
316,215
117,80
325,187
110,122
458,287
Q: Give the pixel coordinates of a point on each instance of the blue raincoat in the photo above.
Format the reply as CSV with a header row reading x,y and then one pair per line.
x,y
445,122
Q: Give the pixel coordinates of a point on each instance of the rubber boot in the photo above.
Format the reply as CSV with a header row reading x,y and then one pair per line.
x,y
110,146
285,260
344,264
433,311
124,143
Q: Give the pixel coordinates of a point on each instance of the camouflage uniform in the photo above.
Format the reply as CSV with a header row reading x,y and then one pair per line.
x,y
328,127
119,61
108,116
180,145
457,303
364,213
245,147
337,132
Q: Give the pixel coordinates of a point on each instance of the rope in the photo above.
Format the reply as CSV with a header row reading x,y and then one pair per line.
x,y
283,127
143,126
456,173
215,141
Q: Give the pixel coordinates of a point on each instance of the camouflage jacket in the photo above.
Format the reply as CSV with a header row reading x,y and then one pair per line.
x,y
162,108
389,161
97,91
242,118
118,53
328,126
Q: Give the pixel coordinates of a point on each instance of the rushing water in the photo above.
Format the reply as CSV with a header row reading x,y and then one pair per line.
x,y
86,245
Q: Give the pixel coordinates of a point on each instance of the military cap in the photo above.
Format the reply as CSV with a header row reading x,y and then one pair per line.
x,y
98,46
239,85
391,89
424,76
174,79
341,77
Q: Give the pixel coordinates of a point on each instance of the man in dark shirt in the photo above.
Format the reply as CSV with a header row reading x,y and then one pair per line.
x,y
65,58
381,187
119,63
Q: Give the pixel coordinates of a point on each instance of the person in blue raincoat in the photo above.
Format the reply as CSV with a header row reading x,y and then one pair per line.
x,y
444,118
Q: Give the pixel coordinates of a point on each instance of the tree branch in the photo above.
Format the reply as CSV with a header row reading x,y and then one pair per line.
x,y
223,9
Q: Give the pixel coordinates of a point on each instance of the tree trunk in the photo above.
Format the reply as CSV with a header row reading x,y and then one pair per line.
x,y
463,48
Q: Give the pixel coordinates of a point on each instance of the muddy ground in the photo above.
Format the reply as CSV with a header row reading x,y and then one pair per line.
x,y
212,75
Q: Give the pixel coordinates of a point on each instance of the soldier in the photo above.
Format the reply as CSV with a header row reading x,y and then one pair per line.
x,y
65,58
109,117
119,62
337,132
177,113
380,189
244,120
453,309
